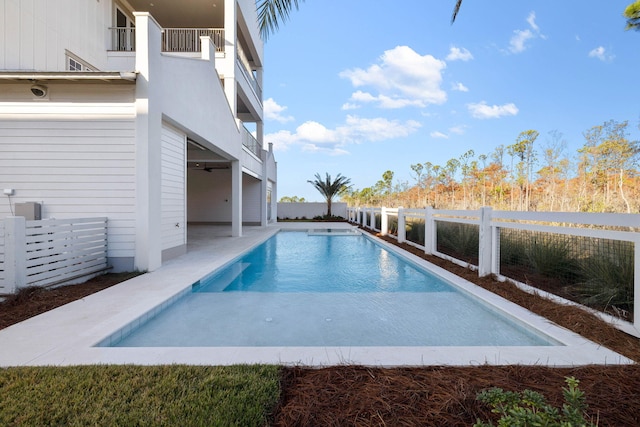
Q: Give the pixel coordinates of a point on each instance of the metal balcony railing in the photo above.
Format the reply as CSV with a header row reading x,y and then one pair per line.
x,y
188,39
123,39
173,39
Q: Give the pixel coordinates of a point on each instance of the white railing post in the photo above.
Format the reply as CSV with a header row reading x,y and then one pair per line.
x,y
495,250
485,250
636,283
384,222
429,231
15,253
402,232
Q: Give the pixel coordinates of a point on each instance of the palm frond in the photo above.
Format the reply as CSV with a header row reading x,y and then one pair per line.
x,y
456,9
271,13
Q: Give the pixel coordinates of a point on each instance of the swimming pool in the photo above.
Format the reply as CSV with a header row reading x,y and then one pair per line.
x,y
324,289
69,335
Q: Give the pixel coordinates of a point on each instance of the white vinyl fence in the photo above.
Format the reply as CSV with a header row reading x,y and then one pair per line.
x,y
593,257
309,210
50,252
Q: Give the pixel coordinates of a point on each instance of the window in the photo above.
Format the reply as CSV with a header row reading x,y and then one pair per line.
x,y
76,64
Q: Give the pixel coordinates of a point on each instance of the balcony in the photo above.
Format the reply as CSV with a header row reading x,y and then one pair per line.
x,y
173,39
250,142
245,68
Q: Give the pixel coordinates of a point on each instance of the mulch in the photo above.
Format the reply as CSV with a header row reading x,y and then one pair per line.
x,y
420,396
29,302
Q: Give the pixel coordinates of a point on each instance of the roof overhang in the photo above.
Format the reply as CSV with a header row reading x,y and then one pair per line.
x,y
68,76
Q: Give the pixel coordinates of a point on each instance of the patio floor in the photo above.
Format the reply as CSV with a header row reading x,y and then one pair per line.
x,y
68,335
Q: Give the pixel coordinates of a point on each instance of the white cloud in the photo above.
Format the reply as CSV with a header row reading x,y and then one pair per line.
x,y
315,137
458,130
483,111
350,106
460,87
402,78
458,54
531,20
519,39
273,111
601,53
439,135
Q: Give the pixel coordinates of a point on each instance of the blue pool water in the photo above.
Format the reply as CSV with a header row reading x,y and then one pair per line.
x,y
298,289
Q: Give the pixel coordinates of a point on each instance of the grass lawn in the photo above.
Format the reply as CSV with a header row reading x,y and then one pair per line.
x,y
139,395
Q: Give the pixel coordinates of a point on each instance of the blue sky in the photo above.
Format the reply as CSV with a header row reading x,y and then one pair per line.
x,y
358,87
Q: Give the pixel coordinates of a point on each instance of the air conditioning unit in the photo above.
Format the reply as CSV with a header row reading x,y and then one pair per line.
x,y
30,210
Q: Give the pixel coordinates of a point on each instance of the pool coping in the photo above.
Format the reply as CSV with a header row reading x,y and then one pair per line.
x,y
68,335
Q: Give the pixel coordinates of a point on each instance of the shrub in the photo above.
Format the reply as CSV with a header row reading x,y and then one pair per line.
x,y
415,231
512,249
551,256
530,408
459,239
608,277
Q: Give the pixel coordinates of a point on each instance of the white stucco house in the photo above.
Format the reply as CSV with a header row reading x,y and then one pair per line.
x,y
146,112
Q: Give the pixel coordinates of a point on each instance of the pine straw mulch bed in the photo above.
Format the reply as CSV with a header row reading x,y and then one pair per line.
x,y
32,301
426,396
446,396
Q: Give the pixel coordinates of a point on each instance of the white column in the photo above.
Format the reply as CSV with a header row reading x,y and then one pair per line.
x,y
148,247
236,199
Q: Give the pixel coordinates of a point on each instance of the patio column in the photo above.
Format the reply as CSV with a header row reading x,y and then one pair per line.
x,y
236,199
148,247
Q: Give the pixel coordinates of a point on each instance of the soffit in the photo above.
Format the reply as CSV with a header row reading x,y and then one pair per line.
x,y
183,13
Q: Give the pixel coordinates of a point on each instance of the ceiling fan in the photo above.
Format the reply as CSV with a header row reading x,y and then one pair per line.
x,y
208,168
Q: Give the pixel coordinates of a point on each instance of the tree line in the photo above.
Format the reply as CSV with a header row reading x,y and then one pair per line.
x,y
601,176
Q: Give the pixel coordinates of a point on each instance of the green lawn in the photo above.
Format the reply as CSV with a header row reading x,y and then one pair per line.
x,y
139,395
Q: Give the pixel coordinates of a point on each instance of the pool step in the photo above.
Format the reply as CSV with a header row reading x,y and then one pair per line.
x,y
334,232
219,282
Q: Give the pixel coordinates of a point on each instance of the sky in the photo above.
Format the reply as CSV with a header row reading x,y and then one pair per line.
x,y
359,87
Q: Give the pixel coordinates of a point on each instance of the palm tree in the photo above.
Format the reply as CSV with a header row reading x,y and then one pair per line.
x,y
330,188
271,12
632,13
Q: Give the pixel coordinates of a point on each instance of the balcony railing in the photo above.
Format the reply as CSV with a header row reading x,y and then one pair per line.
x,y
245,67
123,39
188,39
249,141
173,39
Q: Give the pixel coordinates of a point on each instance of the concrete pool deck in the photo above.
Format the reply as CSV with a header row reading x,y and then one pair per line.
x,y
68,335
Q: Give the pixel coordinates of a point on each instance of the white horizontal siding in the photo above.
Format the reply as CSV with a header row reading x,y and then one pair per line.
x,y
75,165
35,33
173,188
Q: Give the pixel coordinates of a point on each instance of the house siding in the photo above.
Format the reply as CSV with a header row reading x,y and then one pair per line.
x,y
35,34
173,189
76,165
251,200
